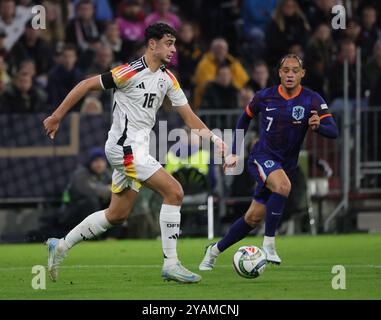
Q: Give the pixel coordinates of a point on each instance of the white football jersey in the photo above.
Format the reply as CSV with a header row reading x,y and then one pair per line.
x,y
138,95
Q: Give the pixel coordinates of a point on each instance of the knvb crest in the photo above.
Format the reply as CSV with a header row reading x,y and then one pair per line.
x,y
298,113
269,163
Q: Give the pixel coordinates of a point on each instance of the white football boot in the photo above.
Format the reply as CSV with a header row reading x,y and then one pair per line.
x,y
55,257
207,264
271,254
179,273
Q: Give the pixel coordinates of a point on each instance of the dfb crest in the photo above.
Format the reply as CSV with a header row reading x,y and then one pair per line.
x,y
298,113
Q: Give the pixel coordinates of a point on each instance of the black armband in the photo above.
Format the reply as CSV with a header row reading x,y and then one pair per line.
x,y
107,81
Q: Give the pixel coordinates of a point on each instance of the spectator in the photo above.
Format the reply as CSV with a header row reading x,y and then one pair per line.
x,y
3,50
220,18
54,33
83,27
207,69
63,77
163,14
373,66
347,52
220,93
87,56
131,23
103,11
260,77
189,54
4,76
256,16
320,12
91,106
28,66
352,31
370,32
12,21
89,188
111,38
31,46
102,62
319,53
288,27
245,96
22,96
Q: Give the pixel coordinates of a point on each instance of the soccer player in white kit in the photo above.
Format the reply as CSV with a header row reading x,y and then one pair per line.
x,y
140,88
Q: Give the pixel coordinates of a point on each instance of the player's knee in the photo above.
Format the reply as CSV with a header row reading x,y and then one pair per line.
x,y
283,188
175,196
116,217
252,219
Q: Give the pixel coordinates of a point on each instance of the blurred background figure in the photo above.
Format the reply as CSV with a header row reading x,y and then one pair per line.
x,y
31,46
131,23
163,13
208,66
89,189
12,20
288,27
63,77
220,93
370,32
22,96
318,58
189,54
84,26
91,106
259,76
111,38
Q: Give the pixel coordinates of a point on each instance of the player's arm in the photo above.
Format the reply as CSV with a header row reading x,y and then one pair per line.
x,y
194,122
51,123
243,123
322,121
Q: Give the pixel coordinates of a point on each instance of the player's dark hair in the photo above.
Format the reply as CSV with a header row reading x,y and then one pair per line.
x,y
157,31
290,56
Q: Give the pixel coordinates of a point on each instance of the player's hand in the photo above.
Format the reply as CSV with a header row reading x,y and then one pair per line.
x,y
51,125
230,162
314,120
221,145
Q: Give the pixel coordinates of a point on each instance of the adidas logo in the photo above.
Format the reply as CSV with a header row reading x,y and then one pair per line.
x,y
175,236
141,86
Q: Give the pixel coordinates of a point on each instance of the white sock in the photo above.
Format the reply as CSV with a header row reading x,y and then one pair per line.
x,y
268,241
92,226
170,228
214,250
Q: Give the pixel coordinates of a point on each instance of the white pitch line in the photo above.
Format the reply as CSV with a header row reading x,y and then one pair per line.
x,y
153,266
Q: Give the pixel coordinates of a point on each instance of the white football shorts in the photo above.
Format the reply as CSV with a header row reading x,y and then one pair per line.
x,y
132,165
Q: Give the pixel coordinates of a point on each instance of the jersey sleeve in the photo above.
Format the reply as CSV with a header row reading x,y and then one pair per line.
x,y
117,77
175,93
319,105
253,108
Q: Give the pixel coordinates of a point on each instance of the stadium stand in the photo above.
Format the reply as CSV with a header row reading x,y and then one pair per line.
x,y
83,37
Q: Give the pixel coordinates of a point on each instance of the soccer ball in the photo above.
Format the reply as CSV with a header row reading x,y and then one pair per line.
x,y
249,261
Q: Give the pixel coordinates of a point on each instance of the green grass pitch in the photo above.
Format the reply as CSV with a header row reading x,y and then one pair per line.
x,y
130,269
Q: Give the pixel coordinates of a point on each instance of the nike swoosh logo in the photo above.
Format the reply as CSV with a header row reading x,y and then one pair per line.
x,y
267,109
276,213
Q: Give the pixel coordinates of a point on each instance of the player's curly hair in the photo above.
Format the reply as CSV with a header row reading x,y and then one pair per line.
x,y
157,31
290,56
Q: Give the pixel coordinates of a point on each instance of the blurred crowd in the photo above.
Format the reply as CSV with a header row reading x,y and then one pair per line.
x,y
226,49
